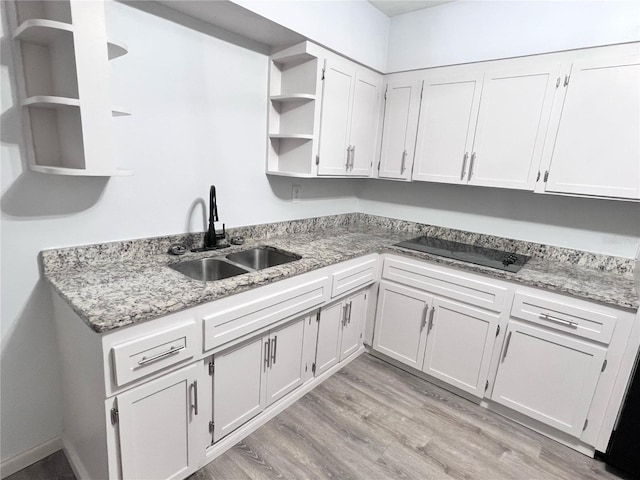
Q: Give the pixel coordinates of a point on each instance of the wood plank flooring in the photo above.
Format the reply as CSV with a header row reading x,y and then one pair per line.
x,y
373,421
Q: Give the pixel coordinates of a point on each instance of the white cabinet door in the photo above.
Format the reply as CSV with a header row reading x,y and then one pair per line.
x,y
329,337
238,385
337,92
285,360
400,124
548,376
448,114
512,123
157,426
459,345
597,145
401,318
364,123
352,324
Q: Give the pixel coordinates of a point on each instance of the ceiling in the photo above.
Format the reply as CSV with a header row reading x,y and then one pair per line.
x,y
391,8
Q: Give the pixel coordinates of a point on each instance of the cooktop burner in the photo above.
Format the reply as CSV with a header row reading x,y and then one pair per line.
x,y
488,257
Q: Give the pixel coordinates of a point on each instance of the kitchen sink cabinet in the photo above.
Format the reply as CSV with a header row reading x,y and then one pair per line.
x,y
460,341
399,126
251,376
340,330
159,434
350,99
485,128
594,144
548,376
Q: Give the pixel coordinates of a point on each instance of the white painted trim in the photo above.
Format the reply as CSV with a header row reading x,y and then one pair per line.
x,y
22,460
230,440
74,460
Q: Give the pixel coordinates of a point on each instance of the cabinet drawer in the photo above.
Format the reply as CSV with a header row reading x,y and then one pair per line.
x,y
356,274
442,282
572,316
260,311
152,352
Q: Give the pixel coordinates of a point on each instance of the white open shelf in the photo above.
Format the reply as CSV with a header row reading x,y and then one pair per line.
x,y
62,50
299,136
297,97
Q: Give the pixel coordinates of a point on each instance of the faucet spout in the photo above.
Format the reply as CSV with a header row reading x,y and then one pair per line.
x,y
213,240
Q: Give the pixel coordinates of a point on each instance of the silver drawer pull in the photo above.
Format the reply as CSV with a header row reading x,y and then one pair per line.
x,y
551,318
171,351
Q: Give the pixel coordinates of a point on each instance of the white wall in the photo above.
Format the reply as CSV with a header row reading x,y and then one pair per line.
x,y
601,226
470,31
199,118
354,28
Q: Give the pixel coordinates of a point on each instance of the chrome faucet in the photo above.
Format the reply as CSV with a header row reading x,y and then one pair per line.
x,y
213,240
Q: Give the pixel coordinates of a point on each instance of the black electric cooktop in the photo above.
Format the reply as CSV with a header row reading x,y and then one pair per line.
x,y
488,257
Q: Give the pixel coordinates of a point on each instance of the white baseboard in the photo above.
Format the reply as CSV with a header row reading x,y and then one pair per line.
x,y
24,459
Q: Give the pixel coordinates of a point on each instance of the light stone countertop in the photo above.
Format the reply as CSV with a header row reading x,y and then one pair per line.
x,y
122,283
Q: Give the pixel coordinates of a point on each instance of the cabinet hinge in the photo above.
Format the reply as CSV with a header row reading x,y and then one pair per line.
x,y
498,331
486,386
317,159
114,416
538,177
604,365
546,176
558,82
566,80
421,90
318,316
313,368
211,425
385,92
586,422
212,368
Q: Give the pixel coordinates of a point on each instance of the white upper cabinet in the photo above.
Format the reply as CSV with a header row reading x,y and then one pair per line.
x,y
350,100
512,123
595,149
485,128
401,108
364,122
448,114
337,95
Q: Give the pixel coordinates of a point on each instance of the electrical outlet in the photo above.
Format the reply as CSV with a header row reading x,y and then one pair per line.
x,y
295,193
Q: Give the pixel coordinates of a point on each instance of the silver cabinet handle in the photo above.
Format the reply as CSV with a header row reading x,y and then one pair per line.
x,y
345,307
404,162
431,315
171,351
195,397
551,318
424,316
471,164
349,312
348,157
464,165
506,346
353,156
267,353
274,353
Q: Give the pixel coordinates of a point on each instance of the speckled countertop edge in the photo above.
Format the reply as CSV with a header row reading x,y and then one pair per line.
x,y
121,283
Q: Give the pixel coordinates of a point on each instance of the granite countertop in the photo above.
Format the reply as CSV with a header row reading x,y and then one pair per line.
x,y
122,283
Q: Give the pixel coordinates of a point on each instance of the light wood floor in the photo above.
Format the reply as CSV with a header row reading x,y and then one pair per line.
x,y
373,421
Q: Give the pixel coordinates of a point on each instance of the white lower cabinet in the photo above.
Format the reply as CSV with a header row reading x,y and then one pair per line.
x,y
340,330
460,340
448,340
253,375
548,376
159,427
400,323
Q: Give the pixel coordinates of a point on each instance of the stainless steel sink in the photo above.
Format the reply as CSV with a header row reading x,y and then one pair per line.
x,y
262,257
208,269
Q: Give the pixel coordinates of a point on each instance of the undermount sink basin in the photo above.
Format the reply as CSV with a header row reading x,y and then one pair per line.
x,y
208,269
262,257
